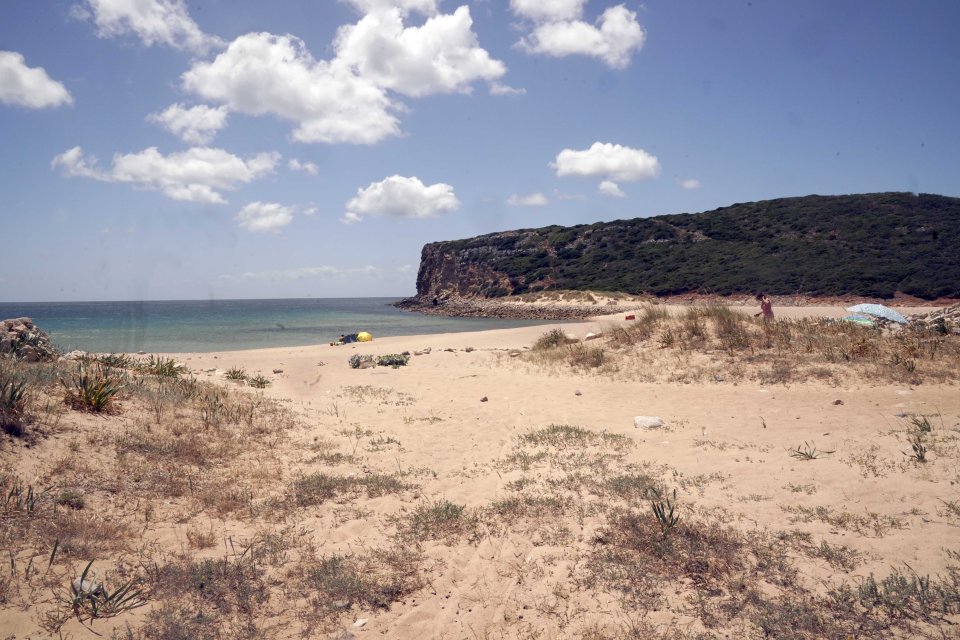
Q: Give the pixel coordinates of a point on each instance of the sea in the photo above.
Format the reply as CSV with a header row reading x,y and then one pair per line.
x,y
187,326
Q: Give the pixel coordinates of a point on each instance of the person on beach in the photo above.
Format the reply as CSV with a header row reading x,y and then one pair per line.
x,y
766,307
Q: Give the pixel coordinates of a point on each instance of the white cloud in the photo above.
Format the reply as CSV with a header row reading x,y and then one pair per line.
x,y
441,56
609,161
325,271
548,10
309,168
611,188
349,99
532,200
350,218
262,217
689,183
164,22
613,40
407,268
29,87
426,7
260,73
400,197
194,125
497,89
194,175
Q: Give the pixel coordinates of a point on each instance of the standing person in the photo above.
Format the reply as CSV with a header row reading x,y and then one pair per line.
x,y
766,307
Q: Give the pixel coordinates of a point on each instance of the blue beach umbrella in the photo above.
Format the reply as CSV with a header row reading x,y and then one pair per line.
x,y
878,311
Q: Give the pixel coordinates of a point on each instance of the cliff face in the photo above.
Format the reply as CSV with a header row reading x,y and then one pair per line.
x,y
869,245
469,273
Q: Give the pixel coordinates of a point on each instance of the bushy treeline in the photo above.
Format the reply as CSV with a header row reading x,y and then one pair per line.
x,y
870,245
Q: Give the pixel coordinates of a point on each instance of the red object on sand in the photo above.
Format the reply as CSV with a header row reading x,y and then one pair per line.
x,y
631,317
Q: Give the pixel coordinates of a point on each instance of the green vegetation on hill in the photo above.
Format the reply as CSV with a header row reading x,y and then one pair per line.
x,y
870,245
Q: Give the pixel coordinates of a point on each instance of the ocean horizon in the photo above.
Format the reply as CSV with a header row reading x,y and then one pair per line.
x,y
181,326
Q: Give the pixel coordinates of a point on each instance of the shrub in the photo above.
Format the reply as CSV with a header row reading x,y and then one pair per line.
x,y
357,360
164,367
393,360
12,402
236,373
94,390
549,340
259,382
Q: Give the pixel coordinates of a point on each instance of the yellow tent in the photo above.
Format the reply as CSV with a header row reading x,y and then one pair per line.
x,y
363,336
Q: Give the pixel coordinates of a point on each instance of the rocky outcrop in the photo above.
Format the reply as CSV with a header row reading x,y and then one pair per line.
x,y
946,320
473,307
446,275
23,339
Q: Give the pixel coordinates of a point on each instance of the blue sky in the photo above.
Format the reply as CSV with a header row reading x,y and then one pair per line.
x,y
157,149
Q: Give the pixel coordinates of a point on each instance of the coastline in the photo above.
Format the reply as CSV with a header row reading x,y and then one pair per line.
x,y
575,305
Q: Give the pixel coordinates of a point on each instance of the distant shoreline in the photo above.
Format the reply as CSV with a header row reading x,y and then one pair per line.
x,y
575,305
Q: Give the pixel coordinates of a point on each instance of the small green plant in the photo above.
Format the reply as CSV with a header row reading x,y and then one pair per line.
x,y
919,450
94,390
12,402
393,360
921,424
72,499
436,520
163,367
90,600
116,360
20,498
664,510
259,382
807,451
236,373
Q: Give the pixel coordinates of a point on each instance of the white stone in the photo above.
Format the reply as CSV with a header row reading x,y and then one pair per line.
x,y
647,422
591,336
359,623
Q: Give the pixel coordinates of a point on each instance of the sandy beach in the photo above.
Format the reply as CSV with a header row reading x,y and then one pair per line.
x,y
517,474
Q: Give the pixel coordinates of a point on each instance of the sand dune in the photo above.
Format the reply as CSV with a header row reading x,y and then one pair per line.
x,y
512,463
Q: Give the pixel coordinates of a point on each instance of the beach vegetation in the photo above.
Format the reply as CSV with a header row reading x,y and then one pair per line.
x,y
549,340
93,388
114,360
320,487
664,509
237,374
371,581
807,451
13,387
710,343
160,366
259,382
91,599
918,452
356,361
440,520
392,360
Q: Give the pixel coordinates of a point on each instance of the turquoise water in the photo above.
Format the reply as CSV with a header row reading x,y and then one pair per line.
x,y
220,325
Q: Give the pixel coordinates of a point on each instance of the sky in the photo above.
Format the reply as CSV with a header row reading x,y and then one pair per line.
x,y
219,149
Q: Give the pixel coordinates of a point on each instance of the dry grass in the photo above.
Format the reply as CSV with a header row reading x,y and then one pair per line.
x,y
715,343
